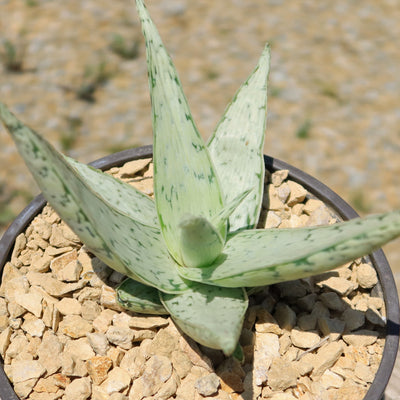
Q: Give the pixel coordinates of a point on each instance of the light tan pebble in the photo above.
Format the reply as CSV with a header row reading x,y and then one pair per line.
x,y
279,381
304,339
75,326
48,313
186,390
71,272
51,285
87,293
49,352
141,334
24,388
46,396
118,396
122,320
298,209
57,238
18,344
164,343
373,316
22,370
108,299
19,245
297,193
31,301
364,372
266,323
319,216
340,285
90,310
69,306
98,368
33,326
278,177
79,349
353,319
331,380
366,276
4,322
181,363
46,385
231,376
42,227
148,322
67,364
120,336
292,354
116,355
41,262
102,322
3,307
305,365
271,201
272,220
282,396
85,259
157,371
61,380
78,389
207,385
283,192
284,343
326,357
117,381
15,287
133,362
285,316
99,343
307,322
57,251
266,349
131,168
332,327
351,391
375,302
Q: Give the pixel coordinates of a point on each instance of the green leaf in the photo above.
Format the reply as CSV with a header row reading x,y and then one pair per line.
x,y
126,245
213,316
263,257
120,195
201,242
183,170
236,147
139,298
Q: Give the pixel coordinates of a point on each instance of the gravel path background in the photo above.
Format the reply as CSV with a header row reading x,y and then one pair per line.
x,y
334,105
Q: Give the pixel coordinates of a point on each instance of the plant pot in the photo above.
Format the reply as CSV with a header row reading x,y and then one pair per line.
x,y
313,186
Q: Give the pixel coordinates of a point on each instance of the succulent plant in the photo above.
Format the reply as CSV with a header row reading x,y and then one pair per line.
x,y
193,252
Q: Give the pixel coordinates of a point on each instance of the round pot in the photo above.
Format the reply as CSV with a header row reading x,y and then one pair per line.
x,y
313,186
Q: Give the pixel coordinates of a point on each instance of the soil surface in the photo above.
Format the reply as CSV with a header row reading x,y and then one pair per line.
x,y
76,72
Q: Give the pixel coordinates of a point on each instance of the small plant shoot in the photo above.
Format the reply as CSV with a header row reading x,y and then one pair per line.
x,y
193,252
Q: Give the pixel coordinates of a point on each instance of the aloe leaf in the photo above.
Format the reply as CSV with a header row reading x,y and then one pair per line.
x,y
213,316
136,297
182,166
220,219
122,196
201,242
264,257
126,245
236,147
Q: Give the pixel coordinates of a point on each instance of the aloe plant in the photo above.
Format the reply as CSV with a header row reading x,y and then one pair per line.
x,y
193,252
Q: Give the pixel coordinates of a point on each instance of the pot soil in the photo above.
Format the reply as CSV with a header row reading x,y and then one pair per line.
x,y
332,336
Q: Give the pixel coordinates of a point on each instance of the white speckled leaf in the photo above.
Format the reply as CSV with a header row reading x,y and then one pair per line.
x,y
201,242
236,147
122,196
213,316
263,257
136,297
185,181
126,245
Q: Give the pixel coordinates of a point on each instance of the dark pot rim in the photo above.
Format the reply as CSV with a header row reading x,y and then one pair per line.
x,y
315,187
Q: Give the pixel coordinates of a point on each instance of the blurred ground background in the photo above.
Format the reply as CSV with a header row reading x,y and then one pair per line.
x,y
75,71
